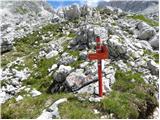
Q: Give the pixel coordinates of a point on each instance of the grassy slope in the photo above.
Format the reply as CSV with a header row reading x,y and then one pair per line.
x,y
143,18
131,97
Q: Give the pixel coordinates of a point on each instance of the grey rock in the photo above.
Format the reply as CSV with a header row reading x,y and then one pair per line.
x,y
6,46
77,80
155,42
83,55
72,12
153,67
52,54
4,96
117,46
61,74
146,45
67,59
19,98
146,32
34,93
52,111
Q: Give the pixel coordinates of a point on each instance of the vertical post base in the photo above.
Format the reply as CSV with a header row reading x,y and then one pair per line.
x,y
100,78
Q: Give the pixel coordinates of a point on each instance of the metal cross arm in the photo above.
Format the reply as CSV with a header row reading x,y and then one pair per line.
x,y
99,56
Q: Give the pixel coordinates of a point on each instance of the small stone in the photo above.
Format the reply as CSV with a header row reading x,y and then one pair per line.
x,y
96,111
19,98
52,54
34,93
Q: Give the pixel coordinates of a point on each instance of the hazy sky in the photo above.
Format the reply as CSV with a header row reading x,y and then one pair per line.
x,y
61,3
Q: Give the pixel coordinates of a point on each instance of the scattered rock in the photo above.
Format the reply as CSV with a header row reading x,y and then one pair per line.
x,y
153,67
54,66
52,112
34,93
19,98
51,54
95,99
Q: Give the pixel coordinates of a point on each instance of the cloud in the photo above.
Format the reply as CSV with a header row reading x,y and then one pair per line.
x,y
93,3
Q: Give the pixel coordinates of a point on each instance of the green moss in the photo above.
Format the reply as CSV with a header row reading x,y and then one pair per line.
x,y
29,107
143,18
74,109
131,96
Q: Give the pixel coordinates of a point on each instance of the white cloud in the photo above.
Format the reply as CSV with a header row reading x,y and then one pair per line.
x,y
93,3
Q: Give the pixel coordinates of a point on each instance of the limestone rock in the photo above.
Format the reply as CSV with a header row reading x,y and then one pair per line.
x,y
155,42
153,67
61,74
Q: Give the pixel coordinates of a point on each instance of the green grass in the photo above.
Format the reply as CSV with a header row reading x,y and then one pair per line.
x,y
29,107
74,53
153,55
21,10
72,35
143,18
26,45
130,99
74,109
39,78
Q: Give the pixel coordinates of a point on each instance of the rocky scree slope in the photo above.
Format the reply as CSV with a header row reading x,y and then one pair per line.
x,y
19,18
48,72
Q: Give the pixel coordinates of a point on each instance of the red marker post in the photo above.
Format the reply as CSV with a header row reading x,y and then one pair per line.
x,y
101,53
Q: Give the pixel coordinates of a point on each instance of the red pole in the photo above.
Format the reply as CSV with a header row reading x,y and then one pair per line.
x,y
98,50
100,78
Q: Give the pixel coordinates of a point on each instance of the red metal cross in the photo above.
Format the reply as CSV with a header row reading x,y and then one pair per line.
x,y
101,53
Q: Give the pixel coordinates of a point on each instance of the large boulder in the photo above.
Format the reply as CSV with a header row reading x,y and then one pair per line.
x,y
117,47
145,31
77,80
87,35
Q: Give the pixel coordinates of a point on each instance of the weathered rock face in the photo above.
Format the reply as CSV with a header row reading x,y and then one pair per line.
x,y
87,35
72,12
146,32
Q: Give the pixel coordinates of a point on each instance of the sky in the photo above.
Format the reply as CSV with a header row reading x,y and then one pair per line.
x,y
61,3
